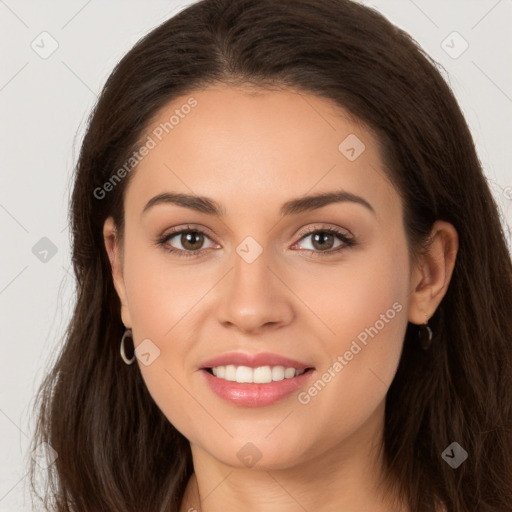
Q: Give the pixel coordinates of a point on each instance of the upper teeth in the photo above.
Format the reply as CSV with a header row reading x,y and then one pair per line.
x,y
260,375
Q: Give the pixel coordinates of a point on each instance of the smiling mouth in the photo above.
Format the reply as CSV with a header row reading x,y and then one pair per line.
x,y
258,375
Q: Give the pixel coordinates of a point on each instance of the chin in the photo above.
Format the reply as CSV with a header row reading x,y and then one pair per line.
x,y
261,454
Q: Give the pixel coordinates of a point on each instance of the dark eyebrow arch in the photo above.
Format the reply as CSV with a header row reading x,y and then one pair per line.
x,y
293,207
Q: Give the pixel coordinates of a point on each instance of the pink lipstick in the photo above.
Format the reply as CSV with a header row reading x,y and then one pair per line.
x,y
254,380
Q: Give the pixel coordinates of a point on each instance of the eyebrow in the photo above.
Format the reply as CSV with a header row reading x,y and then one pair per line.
x,y
293,207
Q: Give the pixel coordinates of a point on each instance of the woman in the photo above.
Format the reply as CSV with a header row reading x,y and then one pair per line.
x,y
280,207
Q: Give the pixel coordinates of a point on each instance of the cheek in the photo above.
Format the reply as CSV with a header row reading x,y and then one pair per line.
x,y
374,310
161,303
366,308
161,292
362,299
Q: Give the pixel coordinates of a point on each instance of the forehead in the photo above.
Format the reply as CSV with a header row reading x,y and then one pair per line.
x,y
248,144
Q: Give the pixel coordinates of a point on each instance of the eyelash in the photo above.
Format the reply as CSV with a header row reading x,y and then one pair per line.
x,y
348,242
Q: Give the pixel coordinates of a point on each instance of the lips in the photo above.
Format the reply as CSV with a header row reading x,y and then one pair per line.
x,y
222,372
254,361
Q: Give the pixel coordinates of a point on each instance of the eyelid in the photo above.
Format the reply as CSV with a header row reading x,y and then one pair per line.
x,y
188,227
324,227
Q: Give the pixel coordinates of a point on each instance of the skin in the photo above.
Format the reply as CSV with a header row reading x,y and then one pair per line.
x,y
251,151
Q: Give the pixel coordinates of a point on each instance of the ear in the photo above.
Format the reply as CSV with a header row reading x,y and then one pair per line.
x,y
431,276
114,252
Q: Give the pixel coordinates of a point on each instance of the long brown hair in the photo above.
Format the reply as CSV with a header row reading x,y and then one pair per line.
x,y
116,450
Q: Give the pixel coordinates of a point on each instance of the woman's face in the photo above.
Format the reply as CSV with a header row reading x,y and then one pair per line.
x,y
270,291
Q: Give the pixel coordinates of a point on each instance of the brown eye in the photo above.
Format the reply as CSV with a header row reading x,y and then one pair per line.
x,y
191,240
322,240
187,242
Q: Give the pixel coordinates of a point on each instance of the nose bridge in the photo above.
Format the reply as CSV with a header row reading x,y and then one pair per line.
x,y
253,296
251,279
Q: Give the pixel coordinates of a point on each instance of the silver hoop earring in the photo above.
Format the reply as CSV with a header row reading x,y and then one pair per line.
x,y
425,335
127,333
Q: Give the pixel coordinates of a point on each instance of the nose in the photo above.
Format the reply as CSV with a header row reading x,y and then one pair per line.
x,y
254,297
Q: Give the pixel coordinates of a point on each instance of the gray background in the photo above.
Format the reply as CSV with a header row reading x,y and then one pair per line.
x,y
44,103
